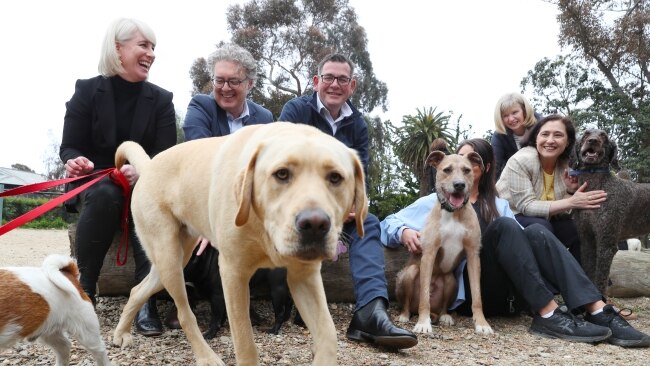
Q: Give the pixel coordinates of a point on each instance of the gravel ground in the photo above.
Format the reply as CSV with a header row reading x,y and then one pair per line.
x,y
457,345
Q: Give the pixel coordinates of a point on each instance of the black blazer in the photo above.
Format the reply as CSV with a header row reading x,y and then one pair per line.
x,y
90,129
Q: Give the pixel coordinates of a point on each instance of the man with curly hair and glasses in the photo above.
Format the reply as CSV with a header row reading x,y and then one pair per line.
x,y
226,109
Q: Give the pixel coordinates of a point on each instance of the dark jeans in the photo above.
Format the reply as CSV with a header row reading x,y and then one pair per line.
x,y
564,228
526,268
99,219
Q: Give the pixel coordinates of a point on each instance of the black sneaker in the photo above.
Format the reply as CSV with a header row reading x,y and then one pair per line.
x,y
564,325
623,334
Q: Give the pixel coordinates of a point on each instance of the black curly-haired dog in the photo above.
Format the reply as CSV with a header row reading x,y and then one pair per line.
x,y
202,272
623,215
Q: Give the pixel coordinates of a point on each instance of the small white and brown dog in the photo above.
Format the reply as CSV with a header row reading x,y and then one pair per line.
x,y
44,303
452,229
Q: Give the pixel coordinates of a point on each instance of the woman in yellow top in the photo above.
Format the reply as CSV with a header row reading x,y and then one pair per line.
x,y
536,183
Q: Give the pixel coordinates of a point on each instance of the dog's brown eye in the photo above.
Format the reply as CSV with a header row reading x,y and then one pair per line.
x,y
335,178
467,171
282,174
447,170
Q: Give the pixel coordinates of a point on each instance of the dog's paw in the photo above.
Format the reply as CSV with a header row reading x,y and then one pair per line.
x,y
483,329
446,320
404,318
122,340
423,327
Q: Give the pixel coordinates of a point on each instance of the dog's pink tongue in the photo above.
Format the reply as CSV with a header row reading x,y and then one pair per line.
x,y
456,200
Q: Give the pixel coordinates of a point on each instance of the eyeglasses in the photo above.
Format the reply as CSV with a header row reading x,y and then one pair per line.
x,y
329,79
233,83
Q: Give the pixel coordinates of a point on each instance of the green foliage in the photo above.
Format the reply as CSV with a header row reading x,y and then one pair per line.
x,y
272,99
488,135
180,136
200,75
14,207
22,168
608,81
46,223
414,137
389,179
560,85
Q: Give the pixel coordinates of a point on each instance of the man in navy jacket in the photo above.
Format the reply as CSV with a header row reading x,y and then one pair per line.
x,y
329,110
226,109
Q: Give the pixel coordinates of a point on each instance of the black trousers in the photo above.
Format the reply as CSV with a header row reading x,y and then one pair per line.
x,y
523,269
563,227
99,219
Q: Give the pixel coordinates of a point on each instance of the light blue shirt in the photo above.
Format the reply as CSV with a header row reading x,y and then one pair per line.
x,y
414,217
237,123
346,111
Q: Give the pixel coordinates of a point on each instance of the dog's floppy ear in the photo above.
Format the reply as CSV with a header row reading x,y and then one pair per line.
x,y
574,156
244,189
435,158
475,159
613,155
360,198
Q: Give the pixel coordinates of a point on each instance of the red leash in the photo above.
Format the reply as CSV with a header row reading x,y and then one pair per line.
x,y
116,176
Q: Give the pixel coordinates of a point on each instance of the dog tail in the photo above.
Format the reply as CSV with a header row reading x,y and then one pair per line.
x,y
63,272
133,153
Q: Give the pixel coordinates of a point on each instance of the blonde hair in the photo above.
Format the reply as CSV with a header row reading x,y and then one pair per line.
x,y
120,31
508,101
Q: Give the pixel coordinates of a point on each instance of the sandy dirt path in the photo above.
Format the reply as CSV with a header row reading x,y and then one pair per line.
x,y
28,247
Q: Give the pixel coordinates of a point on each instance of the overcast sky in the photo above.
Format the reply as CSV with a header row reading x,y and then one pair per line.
x,y
458,56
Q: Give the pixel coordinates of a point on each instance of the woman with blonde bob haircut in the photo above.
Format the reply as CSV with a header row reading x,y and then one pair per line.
x,y
514,117
118,33
116,106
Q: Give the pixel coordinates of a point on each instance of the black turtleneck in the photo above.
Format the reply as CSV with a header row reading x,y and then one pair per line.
x,y
126,97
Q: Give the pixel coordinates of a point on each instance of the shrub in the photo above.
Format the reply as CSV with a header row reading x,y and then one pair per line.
x,y
56,218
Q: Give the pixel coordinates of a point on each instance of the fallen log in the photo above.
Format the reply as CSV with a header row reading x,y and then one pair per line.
x,y
113,280
117,280
629,273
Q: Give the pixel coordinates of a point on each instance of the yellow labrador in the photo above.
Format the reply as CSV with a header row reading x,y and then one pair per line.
x,y
267,196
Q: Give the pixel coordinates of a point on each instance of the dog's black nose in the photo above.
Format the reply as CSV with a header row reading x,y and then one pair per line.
x,y
459,186
313,224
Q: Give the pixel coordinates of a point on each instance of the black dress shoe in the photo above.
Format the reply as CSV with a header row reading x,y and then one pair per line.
x,y
147,322
372,324
171,321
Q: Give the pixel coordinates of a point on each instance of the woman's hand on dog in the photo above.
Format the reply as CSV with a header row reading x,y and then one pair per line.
x,y
591,199
411,240
580,198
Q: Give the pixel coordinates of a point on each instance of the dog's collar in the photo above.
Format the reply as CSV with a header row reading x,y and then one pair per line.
x,y
447,207
576,172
